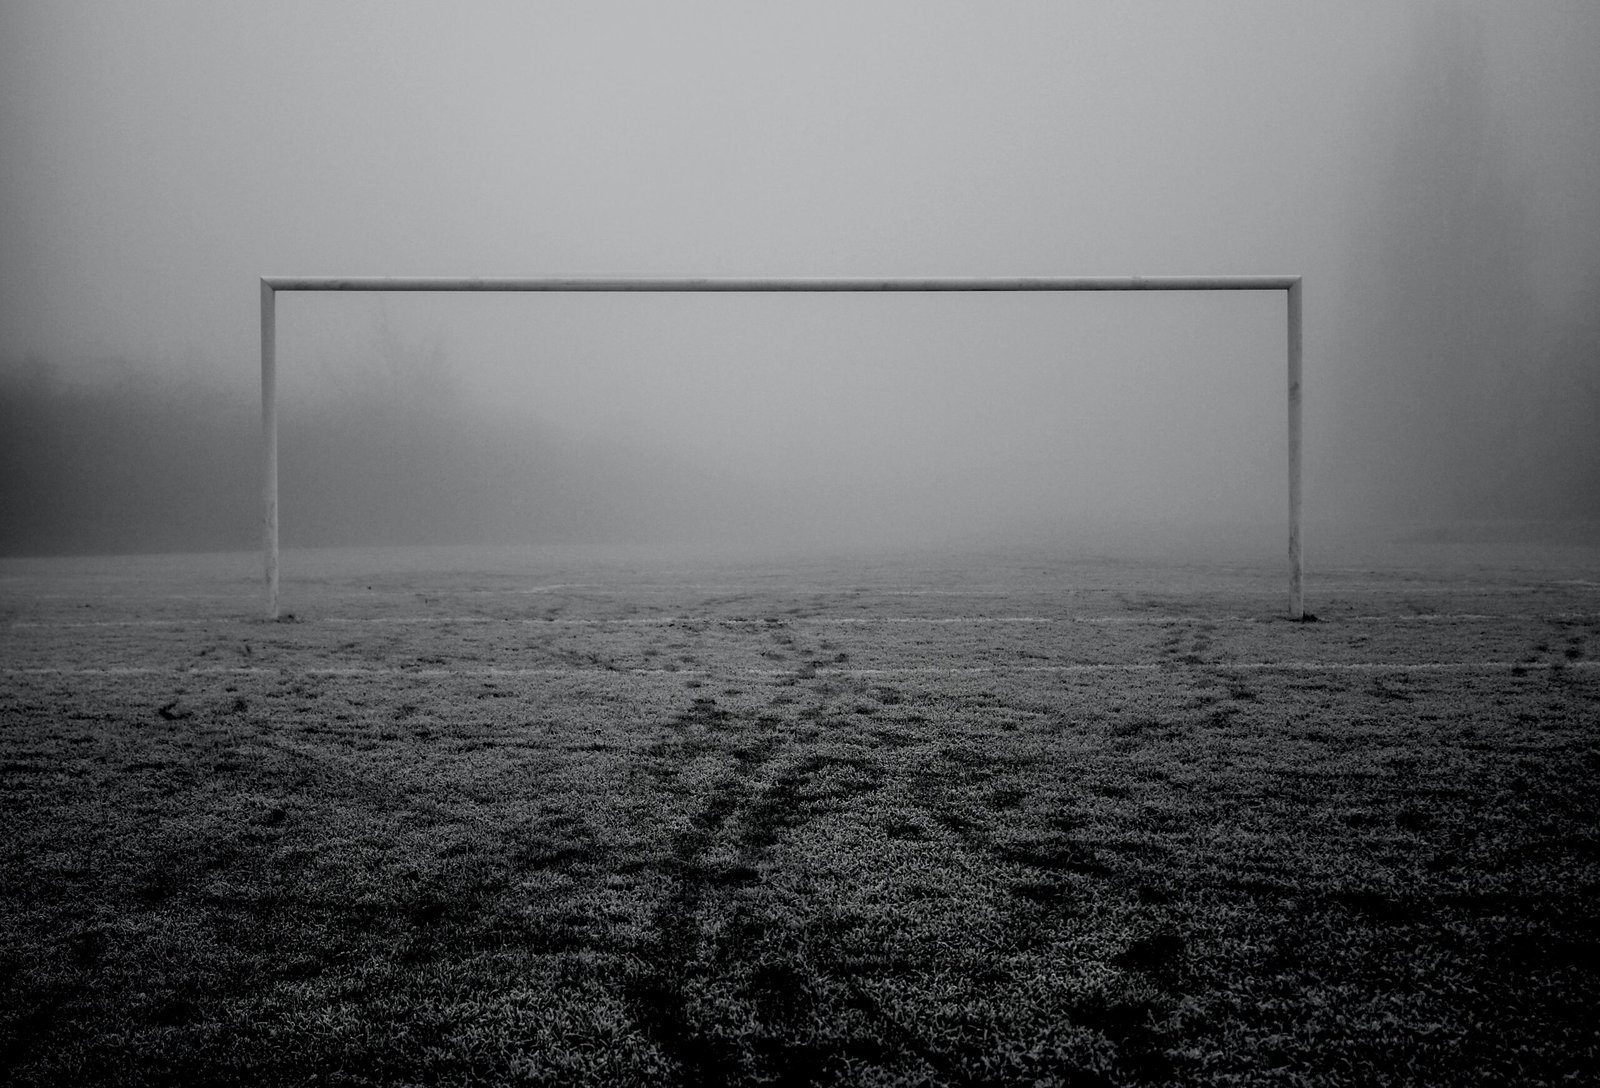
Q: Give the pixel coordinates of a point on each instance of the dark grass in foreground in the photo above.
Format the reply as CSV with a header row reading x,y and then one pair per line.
x,y
679,835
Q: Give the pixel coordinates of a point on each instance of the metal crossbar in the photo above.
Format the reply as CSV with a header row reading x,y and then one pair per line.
x,y
1068,283
270,285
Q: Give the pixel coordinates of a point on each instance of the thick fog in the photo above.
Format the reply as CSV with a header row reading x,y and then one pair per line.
x,y
1428,168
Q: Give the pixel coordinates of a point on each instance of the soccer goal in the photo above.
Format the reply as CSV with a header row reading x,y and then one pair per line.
x,y
271,285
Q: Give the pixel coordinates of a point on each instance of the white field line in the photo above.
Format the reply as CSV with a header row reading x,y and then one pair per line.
x,y
560,621
1269,587
69,625
574,621
152,597
830,592
524,590
809,621
906,670
674,621
797,588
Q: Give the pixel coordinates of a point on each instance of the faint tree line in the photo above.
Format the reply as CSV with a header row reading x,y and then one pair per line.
x,y
127,466
150,463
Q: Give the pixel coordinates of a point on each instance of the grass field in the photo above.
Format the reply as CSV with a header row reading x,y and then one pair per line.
x,y
507,818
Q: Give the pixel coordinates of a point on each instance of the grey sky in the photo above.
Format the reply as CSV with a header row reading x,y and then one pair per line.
x,y
160,156
191,146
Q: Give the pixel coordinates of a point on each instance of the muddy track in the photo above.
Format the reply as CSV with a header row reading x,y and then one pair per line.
x,y
673,958
746,784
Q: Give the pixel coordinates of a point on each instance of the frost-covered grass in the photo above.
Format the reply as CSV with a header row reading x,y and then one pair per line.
x,y
1005,824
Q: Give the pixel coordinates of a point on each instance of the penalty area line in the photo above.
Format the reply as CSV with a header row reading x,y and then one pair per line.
x,y
806,673
1152,620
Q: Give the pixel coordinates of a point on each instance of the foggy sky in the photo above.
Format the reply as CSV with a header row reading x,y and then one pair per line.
x,y
160,157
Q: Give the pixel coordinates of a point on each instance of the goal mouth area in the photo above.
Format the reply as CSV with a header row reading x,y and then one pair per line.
x,y
270,285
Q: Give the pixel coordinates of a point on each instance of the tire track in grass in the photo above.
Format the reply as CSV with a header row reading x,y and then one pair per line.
x,y
813,956
755,796
672,961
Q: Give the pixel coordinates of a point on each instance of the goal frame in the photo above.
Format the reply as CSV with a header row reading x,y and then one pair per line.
x,y
271,285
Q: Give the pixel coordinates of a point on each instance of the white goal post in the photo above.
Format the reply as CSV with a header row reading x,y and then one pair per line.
x,y
271,285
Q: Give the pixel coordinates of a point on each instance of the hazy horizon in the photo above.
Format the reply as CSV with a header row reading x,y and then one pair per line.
x,y
1426,167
